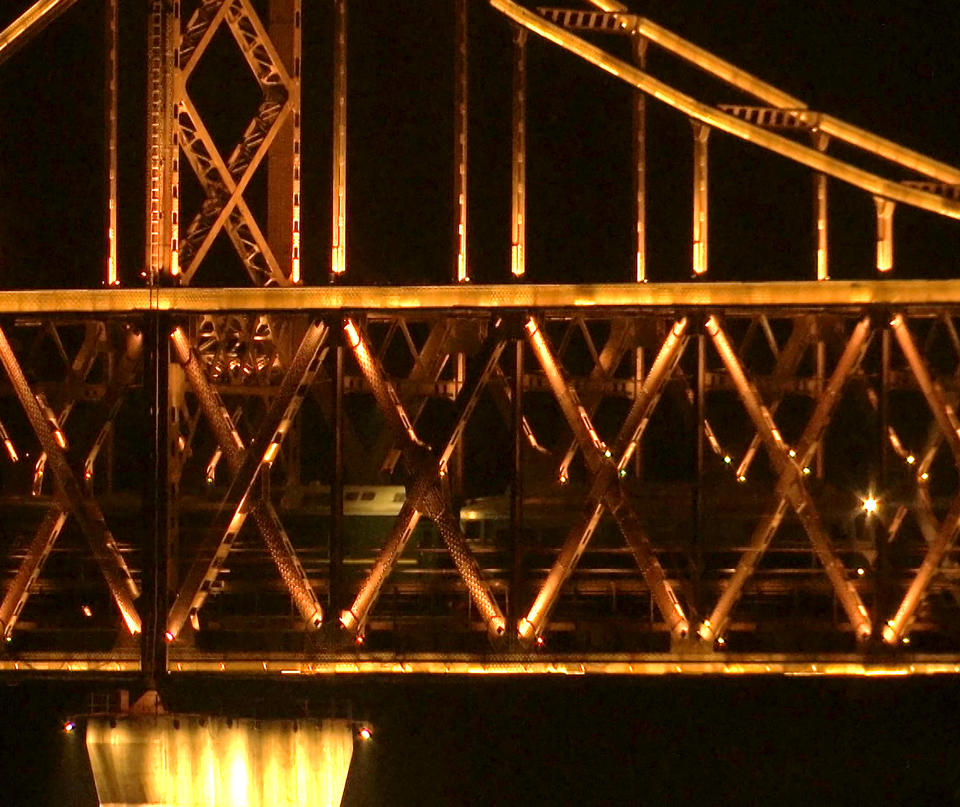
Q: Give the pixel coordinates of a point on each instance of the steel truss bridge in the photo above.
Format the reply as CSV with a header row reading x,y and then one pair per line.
x,y
630,477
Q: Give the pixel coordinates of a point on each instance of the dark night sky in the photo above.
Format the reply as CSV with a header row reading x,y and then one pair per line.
x,y
888,66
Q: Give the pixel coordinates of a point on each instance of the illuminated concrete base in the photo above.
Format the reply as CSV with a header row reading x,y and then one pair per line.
x,y
196,761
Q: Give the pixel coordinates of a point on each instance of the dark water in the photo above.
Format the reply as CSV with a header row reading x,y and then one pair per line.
x,y
502,741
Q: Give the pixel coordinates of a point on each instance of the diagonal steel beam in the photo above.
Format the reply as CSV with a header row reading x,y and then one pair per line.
x,y
246,465
597,456
630,433
806,448
946,534
74,497
792,486
19,33
424,492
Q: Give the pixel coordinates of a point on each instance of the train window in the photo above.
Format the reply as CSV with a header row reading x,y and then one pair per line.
x,y
367,496
351,495
400,496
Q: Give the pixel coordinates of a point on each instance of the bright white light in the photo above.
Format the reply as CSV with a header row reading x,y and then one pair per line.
x,y
870,504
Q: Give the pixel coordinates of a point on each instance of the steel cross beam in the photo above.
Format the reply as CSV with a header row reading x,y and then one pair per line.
x,y
246,464
946,535
29,24
607,479
427,366
792,487
16,596
224,182
74,497
605,365
78,369
806,448
788,360
424,492
629,435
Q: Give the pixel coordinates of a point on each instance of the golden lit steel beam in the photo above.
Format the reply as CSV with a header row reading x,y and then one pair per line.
x,y
807,445
949,527
609,5
841,295
885,210
598,458
787,362
518,195
770,141
338,256
754,86
820,191
639,108
701,198
627,439
246,464
460,128
617,344
23,29
792,486
423,493
74,497
110,121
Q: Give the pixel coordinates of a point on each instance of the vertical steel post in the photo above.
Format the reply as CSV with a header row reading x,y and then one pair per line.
x,y
820,142
701,132
110,114
336,486
885,209
516,487
159,134
159,515
283,159
638,45
518,211
460,128
338,260
699,447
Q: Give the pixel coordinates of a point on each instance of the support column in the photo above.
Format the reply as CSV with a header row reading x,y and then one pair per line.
x,y
162,225
110,121
283,159
885,209
518,214
336,485
460,128
160,515
516,487
638,45
700,198
820,142
338,260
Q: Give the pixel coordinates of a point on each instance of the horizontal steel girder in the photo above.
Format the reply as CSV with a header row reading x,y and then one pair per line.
x,y
843,295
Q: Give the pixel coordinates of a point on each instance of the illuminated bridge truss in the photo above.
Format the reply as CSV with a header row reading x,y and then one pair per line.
x,y
623,478
664,477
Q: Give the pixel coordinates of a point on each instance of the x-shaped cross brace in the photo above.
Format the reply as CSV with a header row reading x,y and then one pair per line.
x,y
16,596
607,487
74,498
946,534
224,182
790,485
246,464
790,475
424,490
605,491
